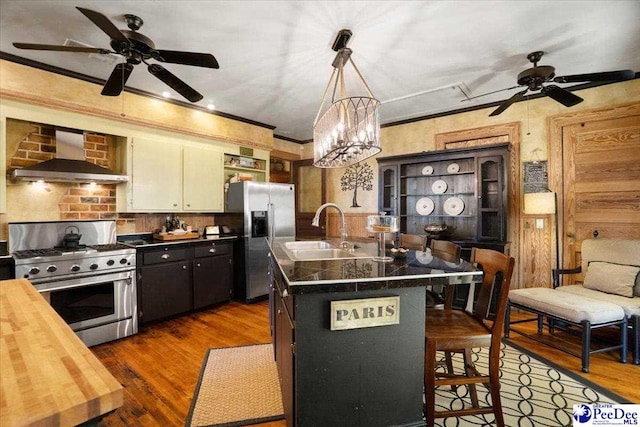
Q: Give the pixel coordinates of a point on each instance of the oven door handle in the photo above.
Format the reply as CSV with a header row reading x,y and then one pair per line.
x,y
83,284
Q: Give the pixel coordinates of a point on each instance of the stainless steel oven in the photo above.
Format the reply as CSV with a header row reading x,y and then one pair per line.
x,y
98,308
91,285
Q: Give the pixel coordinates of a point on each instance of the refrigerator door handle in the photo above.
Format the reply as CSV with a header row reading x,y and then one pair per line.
x,y
271,220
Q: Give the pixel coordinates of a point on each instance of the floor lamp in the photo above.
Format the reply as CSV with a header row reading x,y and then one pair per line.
x,y
545,203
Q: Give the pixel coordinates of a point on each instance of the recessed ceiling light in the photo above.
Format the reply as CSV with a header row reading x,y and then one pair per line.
x,y
210,106
166,94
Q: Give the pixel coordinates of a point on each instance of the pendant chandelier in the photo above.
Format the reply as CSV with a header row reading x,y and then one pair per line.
x,y
349,130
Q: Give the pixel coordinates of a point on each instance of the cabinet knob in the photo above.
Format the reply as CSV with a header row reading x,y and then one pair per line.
x,y
198,265
184,267
188,205
285,293
175,205
212,250
165,256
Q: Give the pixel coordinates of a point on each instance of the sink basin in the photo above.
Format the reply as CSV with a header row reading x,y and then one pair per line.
x,y
318,250
309,244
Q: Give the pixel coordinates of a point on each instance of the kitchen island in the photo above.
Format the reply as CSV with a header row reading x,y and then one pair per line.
x,y
49,377
349,334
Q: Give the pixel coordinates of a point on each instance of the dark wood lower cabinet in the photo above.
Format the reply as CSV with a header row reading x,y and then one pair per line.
x,y
178,278
165,290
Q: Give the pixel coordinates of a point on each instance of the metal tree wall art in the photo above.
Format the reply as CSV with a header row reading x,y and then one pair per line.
x,y
357,176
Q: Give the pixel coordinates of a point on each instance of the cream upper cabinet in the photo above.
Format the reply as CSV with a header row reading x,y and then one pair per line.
x,y
172,177
156,176
203,188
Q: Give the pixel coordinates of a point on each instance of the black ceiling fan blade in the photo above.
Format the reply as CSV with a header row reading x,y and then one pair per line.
x,y
175,83
117,79
597,77
35,46
104,24
187,58
506,104
561,95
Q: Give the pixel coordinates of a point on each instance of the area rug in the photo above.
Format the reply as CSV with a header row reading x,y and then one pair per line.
x,y
534,392
238,386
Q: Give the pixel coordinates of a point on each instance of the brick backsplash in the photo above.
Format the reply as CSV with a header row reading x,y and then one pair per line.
x,y
79,201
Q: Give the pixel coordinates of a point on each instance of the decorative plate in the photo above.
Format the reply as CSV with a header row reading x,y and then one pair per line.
x,y
453,168
427,170
424,257
439,187
425,206
453,206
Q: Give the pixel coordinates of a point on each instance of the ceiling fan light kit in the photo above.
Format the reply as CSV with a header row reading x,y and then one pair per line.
x,y
348,132
135,48
533,79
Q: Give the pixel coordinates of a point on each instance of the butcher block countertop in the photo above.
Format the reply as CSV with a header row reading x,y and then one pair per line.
x,y
49,377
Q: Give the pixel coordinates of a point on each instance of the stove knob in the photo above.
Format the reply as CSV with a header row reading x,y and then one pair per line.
x,y
110,262
93,266
52,268
123,261
34,270
75,267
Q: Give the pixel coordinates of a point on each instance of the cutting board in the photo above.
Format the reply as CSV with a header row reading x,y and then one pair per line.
x,y
183,236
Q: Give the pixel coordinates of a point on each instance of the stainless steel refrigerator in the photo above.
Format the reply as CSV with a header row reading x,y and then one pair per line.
x,y
269,211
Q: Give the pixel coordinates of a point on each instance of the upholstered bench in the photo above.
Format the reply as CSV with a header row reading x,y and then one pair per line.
x,y
586,313
608,296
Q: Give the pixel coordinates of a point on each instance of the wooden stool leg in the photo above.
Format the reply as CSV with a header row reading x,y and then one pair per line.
x,y
469,371
430,383
494,388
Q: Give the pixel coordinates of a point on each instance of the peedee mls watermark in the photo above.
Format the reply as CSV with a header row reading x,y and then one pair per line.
x,y
600,414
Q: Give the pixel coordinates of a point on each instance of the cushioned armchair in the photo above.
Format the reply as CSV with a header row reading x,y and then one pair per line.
x,y
608,296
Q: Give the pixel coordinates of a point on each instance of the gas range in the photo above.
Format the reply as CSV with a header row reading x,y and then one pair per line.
x,y
38,265
41,254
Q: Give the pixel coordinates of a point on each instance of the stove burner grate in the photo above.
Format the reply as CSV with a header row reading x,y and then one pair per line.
x,y
110,247
32,253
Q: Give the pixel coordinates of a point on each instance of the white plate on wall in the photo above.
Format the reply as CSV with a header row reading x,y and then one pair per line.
x,y
453,168
427,170
453,206
424,206
439,186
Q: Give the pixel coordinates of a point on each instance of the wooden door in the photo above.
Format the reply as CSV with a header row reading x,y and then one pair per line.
x,y
601,188
309,182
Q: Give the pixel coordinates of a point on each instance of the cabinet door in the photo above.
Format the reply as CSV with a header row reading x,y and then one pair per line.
x,y
212,280
156,176
165,290
388,190
491,202
284,357
203,188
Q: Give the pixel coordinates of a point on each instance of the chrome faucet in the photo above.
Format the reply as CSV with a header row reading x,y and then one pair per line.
x,y
343,234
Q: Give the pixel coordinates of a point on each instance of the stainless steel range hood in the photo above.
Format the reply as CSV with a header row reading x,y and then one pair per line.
x,y
69,165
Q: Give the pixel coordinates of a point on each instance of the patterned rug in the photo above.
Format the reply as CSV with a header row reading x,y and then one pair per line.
x,y
239,386
534,392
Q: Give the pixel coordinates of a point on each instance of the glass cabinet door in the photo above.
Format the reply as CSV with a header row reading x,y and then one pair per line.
x,y
388,191
491,220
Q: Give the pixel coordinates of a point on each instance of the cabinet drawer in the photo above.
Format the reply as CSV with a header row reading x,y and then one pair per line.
x,y
164,255
212,249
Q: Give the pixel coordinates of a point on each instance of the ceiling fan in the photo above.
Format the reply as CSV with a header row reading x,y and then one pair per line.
x,y
135,48
534,78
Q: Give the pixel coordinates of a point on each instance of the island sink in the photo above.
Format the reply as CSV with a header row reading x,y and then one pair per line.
x,y
319,250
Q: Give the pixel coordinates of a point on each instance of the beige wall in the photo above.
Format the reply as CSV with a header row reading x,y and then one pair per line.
x,y
420,136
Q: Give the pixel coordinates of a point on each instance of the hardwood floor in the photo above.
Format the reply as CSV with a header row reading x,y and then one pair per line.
x,y
159,367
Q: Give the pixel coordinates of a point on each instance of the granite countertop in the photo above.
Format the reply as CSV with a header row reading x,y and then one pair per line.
x,y
146,240
357,274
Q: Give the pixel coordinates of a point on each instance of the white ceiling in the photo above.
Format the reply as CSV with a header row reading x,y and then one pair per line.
x,y
418,57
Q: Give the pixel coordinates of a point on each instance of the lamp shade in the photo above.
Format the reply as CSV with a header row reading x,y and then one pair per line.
x,y
540,203
347,133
